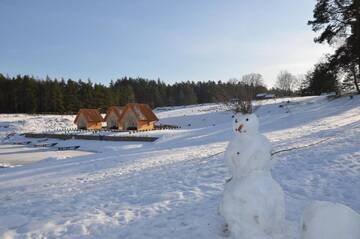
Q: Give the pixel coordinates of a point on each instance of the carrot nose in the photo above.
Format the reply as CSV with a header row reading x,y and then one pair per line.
x,y
240,127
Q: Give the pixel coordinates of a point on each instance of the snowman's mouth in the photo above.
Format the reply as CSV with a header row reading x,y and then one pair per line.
x,y
239,129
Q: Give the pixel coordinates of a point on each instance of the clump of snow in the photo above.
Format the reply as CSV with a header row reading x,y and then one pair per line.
x,y
327,220
253,202
5,165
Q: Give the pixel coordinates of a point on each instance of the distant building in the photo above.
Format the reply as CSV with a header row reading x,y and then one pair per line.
x,y
270,96
260,96
112,117
133,116
88,119
264,96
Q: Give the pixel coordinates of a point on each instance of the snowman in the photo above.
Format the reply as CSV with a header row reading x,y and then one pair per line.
x,y
253,202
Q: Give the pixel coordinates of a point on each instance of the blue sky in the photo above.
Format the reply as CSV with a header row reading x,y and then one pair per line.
x,y
171,40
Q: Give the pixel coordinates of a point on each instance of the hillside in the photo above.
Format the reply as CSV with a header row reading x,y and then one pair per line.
x,y
171,188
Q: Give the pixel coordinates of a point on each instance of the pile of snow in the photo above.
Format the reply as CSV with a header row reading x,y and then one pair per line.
x,y
326,220
253,202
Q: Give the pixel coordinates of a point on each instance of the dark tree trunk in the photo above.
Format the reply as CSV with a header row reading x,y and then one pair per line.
x,y
356,78
356,32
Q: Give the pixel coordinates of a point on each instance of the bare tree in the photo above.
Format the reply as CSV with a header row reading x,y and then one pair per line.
x,y
253,79
298,83
236,96
285,81
234,81
243,106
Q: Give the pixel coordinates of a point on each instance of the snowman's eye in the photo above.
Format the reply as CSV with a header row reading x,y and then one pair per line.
x,y
236,121
247,119
233,116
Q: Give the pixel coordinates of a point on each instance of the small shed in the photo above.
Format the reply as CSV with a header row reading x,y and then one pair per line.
x,y
112,117
88,119
137,117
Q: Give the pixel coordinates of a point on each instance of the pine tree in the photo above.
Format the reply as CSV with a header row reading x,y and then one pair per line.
x,y
71,96
339,21
57,99
126,95
323,79
4,95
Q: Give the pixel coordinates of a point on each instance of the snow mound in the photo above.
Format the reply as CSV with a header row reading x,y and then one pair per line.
x,y
326,220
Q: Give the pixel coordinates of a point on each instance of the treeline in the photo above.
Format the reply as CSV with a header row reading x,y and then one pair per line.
x,y
27,94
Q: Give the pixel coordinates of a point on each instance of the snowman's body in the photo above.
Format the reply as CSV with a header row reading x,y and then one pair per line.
x,y
253,202
253,207
247,154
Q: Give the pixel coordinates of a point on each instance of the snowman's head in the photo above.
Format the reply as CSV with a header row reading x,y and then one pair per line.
x,y
245,124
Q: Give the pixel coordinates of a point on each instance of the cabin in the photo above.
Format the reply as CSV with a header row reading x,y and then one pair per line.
x,y
112,117
88,119
137,117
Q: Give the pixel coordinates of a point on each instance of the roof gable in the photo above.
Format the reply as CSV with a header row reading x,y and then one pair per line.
x,y
143,112
91,115
116,109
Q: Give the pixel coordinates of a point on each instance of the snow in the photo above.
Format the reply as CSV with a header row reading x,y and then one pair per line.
x,y
14,155
171,188
325,220
22,123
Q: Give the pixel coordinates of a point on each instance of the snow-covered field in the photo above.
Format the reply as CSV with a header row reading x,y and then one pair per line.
x,y
171,188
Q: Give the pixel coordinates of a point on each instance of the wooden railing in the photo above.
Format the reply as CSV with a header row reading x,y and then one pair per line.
x,y
92,137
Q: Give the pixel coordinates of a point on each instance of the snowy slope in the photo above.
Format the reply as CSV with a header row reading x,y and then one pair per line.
x,y
171,188
21,123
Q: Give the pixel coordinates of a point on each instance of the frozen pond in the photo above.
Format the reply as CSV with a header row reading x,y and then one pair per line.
x,y
20,155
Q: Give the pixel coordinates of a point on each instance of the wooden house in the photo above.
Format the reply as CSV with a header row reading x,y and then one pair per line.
x,y
112,117
88,119
137,117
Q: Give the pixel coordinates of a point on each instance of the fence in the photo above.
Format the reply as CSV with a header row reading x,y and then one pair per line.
x,y
91,137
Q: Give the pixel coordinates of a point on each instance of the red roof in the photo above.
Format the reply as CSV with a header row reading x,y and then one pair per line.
x,y
142,111
116,109
91,115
